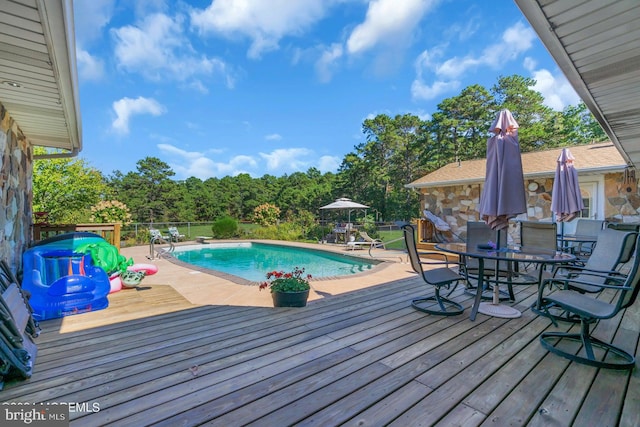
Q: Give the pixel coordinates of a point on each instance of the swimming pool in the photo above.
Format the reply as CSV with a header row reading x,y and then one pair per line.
x,y
252,261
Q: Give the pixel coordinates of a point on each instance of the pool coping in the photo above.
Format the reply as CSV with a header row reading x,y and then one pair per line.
x,y
378,263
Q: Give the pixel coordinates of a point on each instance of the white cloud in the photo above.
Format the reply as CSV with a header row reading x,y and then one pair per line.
x,y
529,63
327,62
157,49
557,91
273,137
515,40
329,163
194,163
90,18
125,108
297,159
265,23
280,161
421,90
387,22
89,67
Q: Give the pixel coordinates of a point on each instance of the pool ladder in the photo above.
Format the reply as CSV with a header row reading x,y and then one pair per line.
x,y
160,252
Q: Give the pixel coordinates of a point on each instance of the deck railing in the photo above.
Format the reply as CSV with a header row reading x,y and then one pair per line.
x,y
110,232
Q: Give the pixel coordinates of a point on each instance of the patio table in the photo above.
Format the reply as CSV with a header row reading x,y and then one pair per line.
x,y
510,255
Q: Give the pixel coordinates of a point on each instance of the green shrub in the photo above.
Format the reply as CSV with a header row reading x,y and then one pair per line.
x,y
225,228
283,231
266,214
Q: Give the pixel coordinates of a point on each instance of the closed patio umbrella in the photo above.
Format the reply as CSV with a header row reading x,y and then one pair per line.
x,y
503,195
566,200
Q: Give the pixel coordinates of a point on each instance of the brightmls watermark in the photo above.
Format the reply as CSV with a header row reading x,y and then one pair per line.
x,y
34,414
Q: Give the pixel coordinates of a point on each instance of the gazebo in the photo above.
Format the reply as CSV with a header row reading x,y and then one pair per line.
x,y
343,203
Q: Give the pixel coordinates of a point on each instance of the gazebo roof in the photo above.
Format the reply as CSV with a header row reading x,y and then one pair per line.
x,y
344,203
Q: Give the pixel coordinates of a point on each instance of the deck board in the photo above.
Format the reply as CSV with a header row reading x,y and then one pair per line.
x,y
361,358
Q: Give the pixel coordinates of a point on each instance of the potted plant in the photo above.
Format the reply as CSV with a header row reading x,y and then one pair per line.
x,y
288,289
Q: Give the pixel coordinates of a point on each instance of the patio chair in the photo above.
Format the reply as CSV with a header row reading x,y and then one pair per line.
x,y
538,234
613,249
590,310
585,227
479,233
17,328
441,277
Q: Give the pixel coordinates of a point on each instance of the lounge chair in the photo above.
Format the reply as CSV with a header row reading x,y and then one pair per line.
x,y
439,231
590,310
442,277
367,242
158,237
175,235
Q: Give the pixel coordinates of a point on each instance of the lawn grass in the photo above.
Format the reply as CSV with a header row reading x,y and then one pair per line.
x,y
191,231
395,237
194,230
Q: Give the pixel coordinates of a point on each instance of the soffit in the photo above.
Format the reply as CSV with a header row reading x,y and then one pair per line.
x,y
596,43
37,52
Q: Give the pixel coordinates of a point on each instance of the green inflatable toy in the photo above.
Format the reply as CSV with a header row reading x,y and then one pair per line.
x,y
106,256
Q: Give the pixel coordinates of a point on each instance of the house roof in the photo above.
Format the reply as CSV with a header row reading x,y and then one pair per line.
x,y
38,75
590,159
596,44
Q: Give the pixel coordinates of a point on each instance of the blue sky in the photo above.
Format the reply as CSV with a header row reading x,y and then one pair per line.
x,y
223,87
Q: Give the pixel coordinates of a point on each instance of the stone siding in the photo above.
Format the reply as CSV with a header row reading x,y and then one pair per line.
x,y
16,186
458,204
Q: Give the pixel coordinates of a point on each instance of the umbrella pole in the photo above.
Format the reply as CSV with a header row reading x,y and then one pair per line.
x,y
496,286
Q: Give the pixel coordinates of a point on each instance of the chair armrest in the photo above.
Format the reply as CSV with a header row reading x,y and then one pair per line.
x,y
566,281
574,270
445,260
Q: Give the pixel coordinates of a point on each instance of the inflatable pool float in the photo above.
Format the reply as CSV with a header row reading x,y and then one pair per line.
x,y
148,269
115,282
62,280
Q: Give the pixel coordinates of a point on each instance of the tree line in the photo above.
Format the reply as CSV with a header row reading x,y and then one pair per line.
x,y
396,151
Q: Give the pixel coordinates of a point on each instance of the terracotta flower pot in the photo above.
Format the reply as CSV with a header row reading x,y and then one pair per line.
x,y
290,299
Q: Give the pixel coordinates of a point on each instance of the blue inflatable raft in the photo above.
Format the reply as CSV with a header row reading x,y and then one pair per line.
x,y
62,281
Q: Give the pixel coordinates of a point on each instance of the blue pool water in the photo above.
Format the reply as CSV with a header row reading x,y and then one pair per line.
x,y
252,261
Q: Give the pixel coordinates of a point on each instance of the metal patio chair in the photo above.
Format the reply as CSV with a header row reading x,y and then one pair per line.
x,y
613,249
442,277
590,310
479,233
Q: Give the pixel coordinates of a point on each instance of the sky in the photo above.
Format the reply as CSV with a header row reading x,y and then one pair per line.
x,y
221,87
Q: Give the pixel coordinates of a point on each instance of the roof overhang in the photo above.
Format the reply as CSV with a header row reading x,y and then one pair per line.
x,y
38,73
596,44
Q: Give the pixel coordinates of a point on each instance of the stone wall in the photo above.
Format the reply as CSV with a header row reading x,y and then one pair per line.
x,y
458,204
16,191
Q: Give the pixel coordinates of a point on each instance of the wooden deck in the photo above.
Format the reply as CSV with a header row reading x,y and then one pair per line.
x,y
362,358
